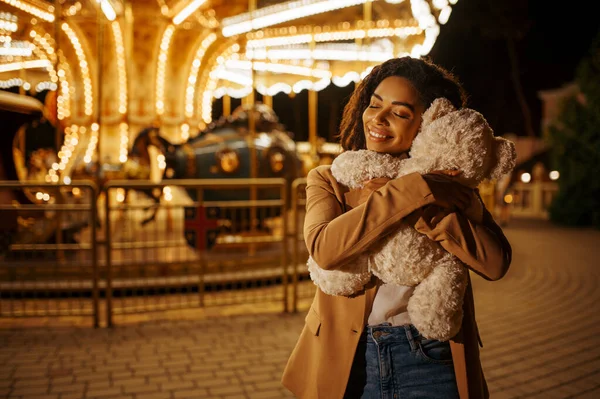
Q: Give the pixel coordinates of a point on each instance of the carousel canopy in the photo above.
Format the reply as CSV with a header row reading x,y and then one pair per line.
x,y
147,60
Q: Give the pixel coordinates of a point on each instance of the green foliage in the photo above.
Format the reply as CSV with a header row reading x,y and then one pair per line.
x,y
575,139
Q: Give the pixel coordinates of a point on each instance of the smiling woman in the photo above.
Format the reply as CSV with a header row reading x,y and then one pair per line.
x,y
398,90
392,119
365,345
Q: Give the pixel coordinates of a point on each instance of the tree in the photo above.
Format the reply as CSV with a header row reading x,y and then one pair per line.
x,y
575,139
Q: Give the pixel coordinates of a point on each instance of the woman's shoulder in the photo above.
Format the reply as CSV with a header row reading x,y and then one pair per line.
x,y
322,178
320,174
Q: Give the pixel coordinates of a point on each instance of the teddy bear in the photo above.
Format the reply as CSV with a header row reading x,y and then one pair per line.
x,y
449,139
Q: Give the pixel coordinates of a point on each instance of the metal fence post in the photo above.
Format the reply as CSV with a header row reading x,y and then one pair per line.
x,y
284,242
108,271
294,191
94,239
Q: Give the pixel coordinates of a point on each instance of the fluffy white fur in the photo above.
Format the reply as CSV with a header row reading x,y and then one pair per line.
x,y
345,281
449,139
353,168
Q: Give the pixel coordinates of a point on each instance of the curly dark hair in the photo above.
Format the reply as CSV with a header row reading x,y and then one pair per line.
x,y
430,81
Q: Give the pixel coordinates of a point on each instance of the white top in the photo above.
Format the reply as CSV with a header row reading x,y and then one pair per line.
x,y
390,305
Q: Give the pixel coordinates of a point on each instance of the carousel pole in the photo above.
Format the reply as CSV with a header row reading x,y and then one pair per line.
x,y
98,176
226,105
268,101
313,99
251,119
100,58
252,142
57,131
128,43
367,14
368,18
57,21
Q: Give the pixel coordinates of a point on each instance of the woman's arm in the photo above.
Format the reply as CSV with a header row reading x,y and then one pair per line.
x,y
481,246
334,237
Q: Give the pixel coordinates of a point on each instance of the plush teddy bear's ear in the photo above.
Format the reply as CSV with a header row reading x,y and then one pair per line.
x,y
438,108
506,157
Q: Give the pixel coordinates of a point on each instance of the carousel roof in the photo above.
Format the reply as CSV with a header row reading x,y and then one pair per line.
x,y
168,59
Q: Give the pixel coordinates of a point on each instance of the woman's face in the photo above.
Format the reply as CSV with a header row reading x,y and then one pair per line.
x,y
392,119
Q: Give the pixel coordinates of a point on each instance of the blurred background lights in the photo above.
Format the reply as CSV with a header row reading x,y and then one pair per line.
x,y
554,175
525,177
167,193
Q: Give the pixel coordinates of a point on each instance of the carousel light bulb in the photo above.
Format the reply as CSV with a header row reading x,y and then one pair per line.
x,y
187,11
193,76
39,195
107,9
161,68
31,64
185,131
279,13
120,195
8,51
445,15
46,197
46,15
422,12
120,51
554,175
87,80
525,177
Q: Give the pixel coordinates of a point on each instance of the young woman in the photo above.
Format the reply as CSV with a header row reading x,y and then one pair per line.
x,y
364,346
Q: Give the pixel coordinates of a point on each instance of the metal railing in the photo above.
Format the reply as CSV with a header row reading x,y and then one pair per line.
x,y
238,227
48,250
138,258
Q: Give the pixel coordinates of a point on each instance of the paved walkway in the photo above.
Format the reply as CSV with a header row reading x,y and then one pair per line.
x,y
540,326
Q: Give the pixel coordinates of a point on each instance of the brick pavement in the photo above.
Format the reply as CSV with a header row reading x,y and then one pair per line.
x,y
540,326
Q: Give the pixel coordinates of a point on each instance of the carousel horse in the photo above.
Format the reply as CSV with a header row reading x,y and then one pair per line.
x,y
222,151
138,165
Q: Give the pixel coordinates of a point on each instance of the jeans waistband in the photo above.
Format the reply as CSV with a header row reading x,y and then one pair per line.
x,y
387,333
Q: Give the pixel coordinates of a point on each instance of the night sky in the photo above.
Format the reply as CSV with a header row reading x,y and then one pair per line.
x,y
549,37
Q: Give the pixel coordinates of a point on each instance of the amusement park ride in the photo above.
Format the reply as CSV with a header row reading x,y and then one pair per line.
x,y
127,88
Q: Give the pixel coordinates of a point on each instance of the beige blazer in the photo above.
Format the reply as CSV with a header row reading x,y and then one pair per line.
x,y
339,225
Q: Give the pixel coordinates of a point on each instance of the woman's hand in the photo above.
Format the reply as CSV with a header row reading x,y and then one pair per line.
x,y
447,192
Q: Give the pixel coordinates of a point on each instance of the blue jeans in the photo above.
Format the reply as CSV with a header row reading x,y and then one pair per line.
x,y
397,363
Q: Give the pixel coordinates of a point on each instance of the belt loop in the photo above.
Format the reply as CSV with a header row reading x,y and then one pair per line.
x,y
411,339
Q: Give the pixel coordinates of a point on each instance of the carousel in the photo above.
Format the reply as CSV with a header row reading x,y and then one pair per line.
x,y
160,90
